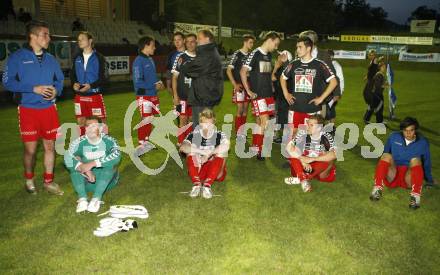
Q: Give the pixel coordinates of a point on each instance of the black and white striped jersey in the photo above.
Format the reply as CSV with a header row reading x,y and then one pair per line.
x,y
314,147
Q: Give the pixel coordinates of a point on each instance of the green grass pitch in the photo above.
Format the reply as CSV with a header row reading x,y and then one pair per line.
x,y
256,225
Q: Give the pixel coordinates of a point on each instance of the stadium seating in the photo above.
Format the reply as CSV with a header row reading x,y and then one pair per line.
x,y
105,31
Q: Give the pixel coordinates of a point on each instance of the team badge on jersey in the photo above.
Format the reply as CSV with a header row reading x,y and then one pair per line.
x,y
304,83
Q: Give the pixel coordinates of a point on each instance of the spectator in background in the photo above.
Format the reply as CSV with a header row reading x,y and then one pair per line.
x,y
140,33
114,14
77,25
23,16
6,9
373,94
125,41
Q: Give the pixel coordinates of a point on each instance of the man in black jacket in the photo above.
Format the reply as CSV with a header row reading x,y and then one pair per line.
x,y
206,74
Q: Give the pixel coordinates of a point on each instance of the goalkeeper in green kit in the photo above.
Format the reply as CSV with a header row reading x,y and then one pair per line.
x,y
92,161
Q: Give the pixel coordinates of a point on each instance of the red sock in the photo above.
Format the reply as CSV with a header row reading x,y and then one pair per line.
x,y
214,169
318,168
28,176
148,129
297,168
82,130
416,180
144,132
258,141
381,173
48,178
237,123
242,122
193,171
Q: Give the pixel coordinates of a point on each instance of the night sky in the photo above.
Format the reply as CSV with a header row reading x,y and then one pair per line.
x,y
399,10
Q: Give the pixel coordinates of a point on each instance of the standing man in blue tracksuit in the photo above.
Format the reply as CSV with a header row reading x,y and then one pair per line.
x,y
406,160
146,84
88,75
36,79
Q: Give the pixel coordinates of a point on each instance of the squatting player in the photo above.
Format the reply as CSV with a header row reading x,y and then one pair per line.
x,y
146,85
92,161
406,160
35,77
312,81
181,84
259,86
312,155
206,149
239,95
88,75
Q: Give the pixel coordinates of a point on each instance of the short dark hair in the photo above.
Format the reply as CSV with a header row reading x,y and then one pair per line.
x,y
306,40
179,33
271,35
88,34
33,26
94,118
144,41
191,35
248,37
207,33
408,121
331,53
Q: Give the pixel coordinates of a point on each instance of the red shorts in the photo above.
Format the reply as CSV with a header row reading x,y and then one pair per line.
x,y
263,106
240,97
399,180
185,109
204,171
91,105
331,176
298,118
148,105
38,123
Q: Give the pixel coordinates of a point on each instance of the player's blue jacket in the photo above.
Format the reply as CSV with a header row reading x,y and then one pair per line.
x,y
144,76
23,71
94,74
402,153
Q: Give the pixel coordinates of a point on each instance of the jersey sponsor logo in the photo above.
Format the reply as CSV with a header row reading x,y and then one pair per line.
x,y
94,155
28,62
265,67
304,83
398,143
96,111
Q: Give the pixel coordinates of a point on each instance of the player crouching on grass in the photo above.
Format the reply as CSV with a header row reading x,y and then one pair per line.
x,y
312,155
206,150
405,162
92,161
